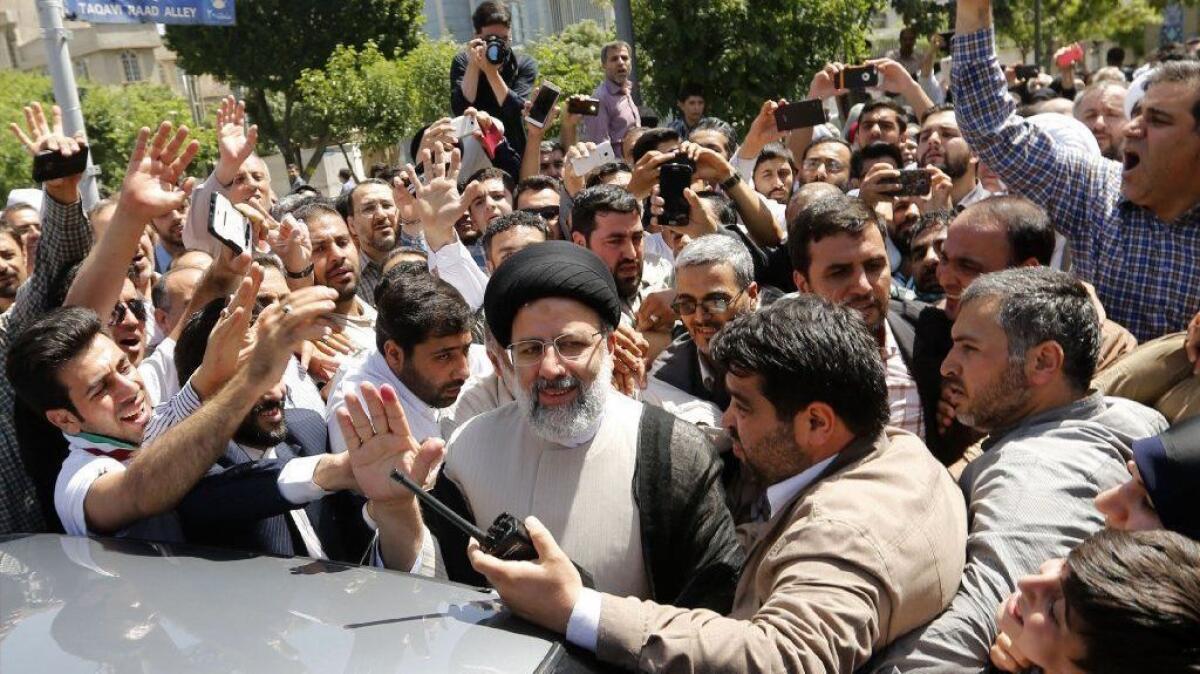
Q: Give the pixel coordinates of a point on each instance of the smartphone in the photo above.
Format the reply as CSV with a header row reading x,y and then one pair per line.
x,y
52,165
800,115
673,179
464,126
588,107
913,183
602,155
227,225
542,105
858,77
1026,72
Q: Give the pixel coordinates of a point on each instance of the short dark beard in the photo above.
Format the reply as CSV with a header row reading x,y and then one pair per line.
x,y
428,393
251,434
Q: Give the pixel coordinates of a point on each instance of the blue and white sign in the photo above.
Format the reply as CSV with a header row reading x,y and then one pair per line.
x,y
199,12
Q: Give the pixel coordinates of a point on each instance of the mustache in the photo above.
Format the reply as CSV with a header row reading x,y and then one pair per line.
x,y
563,383
267,406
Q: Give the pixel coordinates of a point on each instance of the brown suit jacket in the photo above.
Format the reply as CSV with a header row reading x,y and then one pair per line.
x,y
870,550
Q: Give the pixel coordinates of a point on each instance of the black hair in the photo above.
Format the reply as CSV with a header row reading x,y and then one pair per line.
x,y
316,206
42,349
193,339
550,146
341,204
414,307
901,115
510,221
826,141
650,140
937,109
605,171
775,151
689,89
722,127
805,350
600,199
876,150
1114,56
933,220
725,210
490,173
491,13
535,184
831,216
1026,226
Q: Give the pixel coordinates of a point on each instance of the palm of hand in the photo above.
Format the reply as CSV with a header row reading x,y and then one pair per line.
x,y
151,188
441,201
373,461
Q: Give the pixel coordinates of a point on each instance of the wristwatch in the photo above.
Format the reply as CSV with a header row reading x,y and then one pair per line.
x,y
303,273
731,182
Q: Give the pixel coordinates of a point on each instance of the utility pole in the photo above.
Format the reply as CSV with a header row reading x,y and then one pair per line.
x,y
62,72
624,15
1037,32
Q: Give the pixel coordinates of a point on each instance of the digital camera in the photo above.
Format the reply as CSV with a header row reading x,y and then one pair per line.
x,y
495,49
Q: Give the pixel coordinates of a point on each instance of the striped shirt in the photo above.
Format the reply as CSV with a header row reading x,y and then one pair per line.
x,y
1146,271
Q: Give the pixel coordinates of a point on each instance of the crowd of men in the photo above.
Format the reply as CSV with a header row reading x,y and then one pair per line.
x,y
821,427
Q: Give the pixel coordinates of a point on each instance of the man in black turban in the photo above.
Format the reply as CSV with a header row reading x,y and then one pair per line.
x,y
632,493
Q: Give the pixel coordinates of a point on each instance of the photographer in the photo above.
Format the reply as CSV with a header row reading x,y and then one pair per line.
x,y
489,76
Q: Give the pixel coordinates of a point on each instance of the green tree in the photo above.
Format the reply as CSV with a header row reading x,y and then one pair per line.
x,y
1066,21
571,60
113,115
276,40
744,52
18,89
926,17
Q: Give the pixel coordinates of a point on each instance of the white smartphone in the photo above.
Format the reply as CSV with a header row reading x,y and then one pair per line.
x,y
464,126
546,99
603,154
227,225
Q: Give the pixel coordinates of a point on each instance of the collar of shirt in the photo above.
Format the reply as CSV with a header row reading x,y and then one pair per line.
x,y
614,89
977,194
891,348
366,317
100,445
780,494
1084,408
1190,217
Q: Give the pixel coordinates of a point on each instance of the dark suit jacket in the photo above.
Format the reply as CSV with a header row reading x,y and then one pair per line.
x,y
238,503
679,366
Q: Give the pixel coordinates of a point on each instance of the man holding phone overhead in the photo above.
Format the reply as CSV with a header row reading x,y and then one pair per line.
x,y
617,110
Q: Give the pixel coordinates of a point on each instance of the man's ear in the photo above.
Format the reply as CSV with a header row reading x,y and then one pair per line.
x,y
801,282
65,420
394,355
1031,262
1044,362
160,317
814,425
578,239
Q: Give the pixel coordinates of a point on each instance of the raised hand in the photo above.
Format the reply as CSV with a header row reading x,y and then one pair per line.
x,y
234,141
572,181
231,340
282,328
379,440
710,166
438,203
45,136
150,187
763,130
824,83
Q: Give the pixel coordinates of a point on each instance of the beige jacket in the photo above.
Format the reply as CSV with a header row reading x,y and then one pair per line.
x,y
870,550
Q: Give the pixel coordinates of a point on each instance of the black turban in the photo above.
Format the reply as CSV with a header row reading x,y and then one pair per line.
x,y
550,269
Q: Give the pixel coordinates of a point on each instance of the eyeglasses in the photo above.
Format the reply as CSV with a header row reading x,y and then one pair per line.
x,y
831,165
548,213
136,307
529,352
713,304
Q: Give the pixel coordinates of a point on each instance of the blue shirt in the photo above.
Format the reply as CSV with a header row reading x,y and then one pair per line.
x,y
1146,271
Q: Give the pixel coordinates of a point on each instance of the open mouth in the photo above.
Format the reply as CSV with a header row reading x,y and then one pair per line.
x,y
138,415
1132,159
340,275
131,343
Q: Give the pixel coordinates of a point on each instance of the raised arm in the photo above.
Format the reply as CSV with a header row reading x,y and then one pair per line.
x,y
148,191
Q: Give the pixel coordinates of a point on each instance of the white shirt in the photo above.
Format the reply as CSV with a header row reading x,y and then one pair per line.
x,y
159,373
455,265
359,329
423,421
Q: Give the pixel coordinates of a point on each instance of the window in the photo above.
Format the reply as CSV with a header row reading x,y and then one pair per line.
x,y
131,66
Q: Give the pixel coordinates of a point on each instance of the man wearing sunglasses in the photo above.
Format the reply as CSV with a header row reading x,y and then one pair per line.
x,y
632,491
127,323
714,283
541,195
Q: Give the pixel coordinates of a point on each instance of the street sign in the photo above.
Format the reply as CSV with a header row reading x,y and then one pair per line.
x,y
199,12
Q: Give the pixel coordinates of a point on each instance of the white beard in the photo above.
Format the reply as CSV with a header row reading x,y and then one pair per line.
x,y
570,423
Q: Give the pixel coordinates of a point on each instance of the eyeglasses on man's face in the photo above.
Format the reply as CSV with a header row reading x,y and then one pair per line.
x,y
136,307
569,346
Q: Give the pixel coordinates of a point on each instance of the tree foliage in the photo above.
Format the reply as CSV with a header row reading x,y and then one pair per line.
x,y
744,52
277,40
1066,21
926,17
112,116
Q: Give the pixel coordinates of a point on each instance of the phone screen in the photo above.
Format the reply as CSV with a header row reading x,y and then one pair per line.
x,y
543,104
672,180
228,225
800,115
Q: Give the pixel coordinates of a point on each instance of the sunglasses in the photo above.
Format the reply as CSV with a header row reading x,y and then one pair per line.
x,y
548,213
136,307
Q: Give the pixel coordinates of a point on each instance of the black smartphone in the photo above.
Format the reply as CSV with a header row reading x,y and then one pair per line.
x,y
52,165
588,107
800,115
227,225
1026,72
858,77
913,183
542,105
673,179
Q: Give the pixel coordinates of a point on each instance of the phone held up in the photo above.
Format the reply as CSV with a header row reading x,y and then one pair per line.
x,y
581,105
858,77
52,165
914,183
800,115
227,225
547,96
673,178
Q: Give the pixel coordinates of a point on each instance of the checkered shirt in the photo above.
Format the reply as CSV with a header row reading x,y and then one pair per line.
x,y
66,239
1146,271
904,401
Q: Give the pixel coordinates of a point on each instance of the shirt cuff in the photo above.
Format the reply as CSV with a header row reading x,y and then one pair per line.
x,y
583,628
296,480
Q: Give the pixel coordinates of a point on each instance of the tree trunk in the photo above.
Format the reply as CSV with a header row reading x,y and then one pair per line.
x,y
349,164
315,159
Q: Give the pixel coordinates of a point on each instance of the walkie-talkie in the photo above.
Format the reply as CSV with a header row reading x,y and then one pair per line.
x,y
506,539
